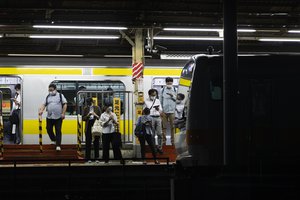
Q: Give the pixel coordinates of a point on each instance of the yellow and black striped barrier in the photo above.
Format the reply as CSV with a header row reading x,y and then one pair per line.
x,y
1,136
40,134
79,133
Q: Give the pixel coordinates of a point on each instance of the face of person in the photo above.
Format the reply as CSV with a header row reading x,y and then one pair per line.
x,y
52,91
152,95
169,84
109,109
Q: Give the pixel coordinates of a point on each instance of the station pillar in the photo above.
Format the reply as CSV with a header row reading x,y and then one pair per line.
x,y
138,62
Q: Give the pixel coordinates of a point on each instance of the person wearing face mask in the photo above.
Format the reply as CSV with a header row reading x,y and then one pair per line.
x,y
15,116
154,105
168,102
108,120
179,106
56,105
90,113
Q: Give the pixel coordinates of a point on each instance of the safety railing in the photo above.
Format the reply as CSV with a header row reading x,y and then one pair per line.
x,y
41,133
1,126
122,104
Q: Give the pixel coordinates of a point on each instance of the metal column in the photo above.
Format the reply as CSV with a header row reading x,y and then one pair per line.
x,y
230,81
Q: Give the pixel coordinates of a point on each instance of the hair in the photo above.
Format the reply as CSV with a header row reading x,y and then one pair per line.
x,y
18,87
146,111
151,91
181,95
169,79
52,85
104,108
89,100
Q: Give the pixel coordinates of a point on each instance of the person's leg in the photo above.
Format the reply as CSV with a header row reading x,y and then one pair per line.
x,y
158,131
142,143
171,119
116,147
49,127
88,140
105,148
96,146
148,138
164,119
58,124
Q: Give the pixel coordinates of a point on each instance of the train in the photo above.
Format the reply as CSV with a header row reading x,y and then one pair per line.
x,y
267,126
34,82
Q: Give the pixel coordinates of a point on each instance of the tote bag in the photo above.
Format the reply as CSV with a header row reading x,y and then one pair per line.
x,y
97,128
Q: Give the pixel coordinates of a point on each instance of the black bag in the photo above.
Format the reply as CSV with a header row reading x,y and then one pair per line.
x,y
14,117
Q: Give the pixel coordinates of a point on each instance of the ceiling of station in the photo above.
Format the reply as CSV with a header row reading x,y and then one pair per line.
x,y
272,19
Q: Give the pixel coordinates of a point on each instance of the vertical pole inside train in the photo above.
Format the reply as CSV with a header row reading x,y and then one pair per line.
x,y
230,64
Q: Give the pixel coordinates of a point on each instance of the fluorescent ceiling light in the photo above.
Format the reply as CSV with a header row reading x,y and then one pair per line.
x,y
123,56
294,31
44,55
80,27
279,39
175,56
186,38
75,36
206,29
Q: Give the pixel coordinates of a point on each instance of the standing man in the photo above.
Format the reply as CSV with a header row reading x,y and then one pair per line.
x,y
56,105
154,105
168,102
16,115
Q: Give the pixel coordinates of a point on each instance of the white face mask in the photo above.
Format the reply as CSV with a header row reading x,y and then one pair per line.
x,y
152,97
178,101
53,93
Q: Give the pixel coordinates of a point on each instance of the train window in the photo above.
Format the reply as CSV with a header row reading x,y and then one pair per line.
x,y
70,88
215,91
188,69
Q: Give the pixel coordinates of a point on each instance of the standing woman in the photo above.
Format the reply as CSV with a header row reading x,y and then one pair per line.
x,y
90,113
108,120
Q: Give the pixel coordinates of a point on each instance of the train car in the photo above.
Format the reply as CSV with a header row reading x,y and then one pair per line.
x,y
34,82
267,111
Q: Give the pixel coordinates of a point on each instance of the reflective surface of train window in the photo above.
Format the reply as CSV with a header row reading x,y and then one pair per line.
x,y
70,88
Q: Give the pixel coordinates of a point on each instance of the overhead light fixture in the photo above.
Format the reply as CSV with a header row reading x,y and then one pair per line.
x,y
279,39
75,36
206,29
186,38
175,56
294,31
43,55
123,56
81,27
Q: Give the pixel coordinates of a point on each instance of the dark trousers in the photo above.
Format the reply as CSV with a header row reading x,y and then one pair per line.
x,y
88,141
57,124
107,139
149,140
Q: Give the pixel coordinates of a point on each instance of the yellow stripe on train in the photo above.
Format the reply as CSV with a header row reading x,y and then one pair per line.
x,y
185,82
16,71
128,71
69,126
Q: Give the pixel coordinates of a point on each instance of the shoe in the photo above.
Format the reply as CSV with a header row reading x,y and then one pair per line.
x,y
122,162
144,162
89,162
52,142
58,148
156,162
97,162
106,162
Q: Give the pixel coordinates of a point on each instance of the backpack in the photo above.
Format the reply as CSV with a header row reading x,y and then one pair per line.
x,y
60,97
141,128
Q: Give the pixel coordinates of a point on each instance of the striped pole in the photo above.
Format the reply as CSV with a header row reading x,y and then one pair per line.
x,y
1,136
79,133
40,134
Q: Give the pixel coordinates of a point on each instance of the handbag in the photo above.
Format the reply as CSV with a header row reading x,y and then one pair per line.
x,y
97,128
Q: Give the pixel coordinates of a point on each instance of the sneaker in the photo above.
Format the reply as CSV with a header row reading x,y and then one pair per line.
x,y
97,162
156,162
89,162
144,162
52,142
58,148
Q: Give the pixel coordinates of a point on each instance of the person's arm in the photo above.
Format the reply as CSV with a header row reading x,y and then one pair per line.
x,y
63,114
41,109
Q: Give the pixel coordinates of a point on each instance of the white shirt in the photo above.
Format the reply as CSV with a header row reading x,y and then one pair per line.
x,y
18,100
153,111
179,110
109,128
